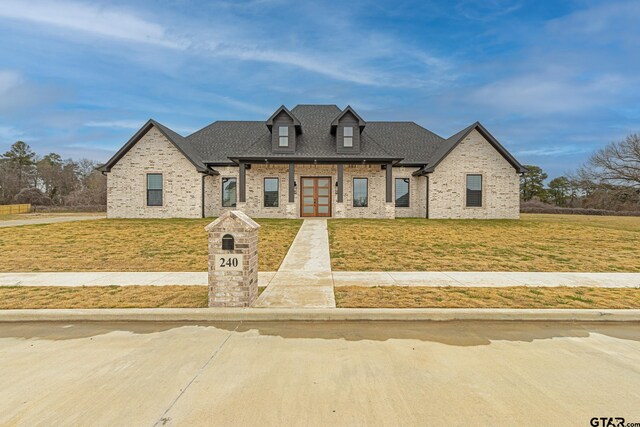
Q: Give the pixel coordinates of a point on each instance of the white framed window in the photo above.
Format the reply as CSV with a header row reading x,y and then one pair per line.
x,y
283,134
348,136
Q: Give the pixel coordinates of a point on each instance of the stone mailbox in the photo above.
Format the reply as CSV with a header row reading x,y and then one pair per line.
x,y
233,260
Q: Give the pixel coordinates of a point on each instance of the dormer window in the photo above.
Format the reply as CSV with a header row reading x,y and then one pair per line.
x,y
283,132
348,136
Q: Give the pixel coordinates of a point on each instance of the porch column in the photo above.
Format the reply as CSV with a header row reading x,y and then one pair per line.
x,y
389,183
242,183
292,182
340,184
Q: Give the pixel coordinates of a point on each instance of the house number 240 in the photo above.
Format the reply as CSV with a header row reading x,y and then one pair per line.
x,y
228,262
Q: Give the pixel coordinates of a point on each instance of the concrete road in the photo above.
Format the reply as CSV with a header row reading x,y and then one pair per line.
x,y
334,373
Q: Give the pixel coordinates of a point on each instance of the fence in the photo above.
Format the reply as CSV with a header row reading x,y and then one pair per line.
x,y
14,209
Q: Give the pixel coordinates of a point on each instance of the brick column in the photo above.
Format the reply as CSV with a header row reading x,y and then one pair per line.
x,y
233,260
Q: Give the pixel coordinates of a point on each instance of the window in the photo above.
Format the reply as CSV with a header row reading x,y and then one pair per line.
x,y
283,132
270,192
229,188
474,191
348,137
360,193
402,192
154,189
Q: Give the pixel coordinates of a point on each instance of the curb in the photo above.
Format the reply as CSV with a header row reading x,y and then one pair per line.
x,y
333,314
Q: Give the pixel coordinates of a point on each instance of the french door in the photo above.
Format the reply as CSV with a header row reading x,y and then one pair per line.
x,y
315,199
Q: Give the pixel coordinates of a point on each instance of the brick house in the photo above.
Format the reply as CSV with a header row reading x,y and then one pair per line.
x,y
313,161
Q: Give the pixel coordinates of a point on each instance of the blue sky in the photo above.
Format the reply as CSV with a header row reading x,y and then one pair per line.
x,y
551,80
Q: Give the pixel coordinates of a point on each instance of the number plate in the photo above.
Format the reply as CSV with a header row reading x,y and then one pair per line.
x,y
230,262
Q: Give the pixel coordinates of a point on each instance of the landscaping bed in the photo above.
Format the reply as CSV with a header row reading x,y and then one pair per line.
x,y
129,245
536,242
502,297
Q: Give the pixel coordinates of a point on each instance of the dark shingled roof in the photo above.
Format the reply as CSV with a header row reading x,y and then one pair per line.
x,y
316,141
223,139
226,142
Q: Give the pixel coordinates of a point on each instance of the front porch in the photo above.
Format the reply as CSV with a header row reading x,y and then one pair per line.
x,y
304,190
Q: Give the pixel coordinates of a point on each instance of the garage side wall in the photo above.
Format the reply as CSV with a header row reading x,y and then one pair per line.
x,y
127,181
500,182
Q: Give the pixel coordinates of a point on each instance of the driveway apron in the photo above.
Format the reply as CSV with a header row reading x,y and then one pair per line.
x,y
304,279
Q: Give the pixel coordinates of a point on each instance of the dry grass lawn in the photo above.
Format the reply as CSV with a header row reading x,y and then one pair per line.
x,y
129,245
536,242
22,297
25,297
509,297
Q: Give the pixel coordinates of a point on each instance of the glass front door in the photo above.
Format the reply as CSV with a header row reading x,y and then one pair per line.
x,y
315,199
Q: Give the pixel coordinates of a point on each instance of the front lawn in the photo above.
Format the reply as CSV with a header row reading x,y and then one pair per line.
x,y
129,245
507,297
536,242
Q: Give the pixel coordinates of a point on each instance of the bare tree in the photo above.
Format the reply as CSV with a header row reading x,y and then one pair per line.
x,y
618,163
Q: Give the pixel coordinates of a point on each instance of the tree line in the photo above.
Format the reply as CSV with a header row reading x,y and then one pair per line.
x,y
26,177
609,180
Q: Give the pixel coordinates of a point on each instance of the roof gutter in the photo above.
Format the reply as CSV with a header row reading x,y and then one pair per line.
x,y
312,160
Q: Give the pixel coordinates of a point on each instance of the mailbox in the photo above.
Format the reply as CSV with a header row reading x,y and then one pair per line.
x,y
228,243
233,260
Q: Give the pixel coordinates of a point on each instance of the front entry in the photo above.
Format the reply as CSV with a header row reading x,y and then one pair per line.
x,y
316,196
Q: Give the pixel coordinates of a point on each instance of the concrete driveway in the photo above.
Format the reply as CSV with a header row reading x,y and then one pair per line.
x,y
332,373
46,219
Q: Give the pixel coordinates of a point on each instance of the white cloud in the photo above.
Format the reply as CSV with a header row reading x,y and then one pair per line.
x,y
555,151
548,93
8,80
89,18
117,124
375,65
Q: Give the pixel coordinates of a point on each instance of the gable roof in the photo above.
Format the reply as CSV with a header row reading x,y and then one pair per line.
x,y
284,109
178,141
347,110
228,142
452,142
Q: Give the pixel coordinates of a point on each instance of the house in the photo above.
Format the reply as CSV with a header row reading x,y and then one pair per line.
x,y
313,161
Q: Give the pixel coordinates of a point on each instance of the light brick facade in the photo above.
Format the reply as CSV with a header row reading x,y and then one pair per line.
x,y
500,182
127,181
182,185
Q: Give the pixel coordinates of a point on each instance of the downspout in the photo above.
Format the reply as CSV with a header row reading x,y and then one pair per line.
x,y
203,175
427,200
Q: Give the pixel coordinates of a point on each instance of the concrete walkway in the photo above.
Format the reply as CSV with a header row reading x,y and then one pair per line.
x,y
48,220
340,278
304,279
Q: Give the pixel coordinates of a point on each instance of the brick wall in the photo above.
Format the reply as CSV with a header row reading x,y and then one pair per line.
x,y
126,183
500,182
